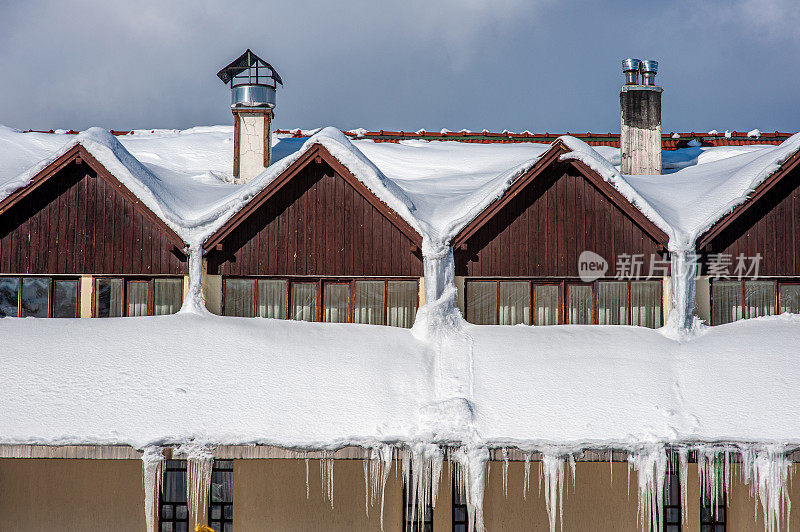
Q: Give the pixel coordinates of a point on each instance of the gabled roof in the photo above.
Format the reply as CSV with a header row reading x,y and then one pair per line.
x,y
317,153
552,156
80,155
760,191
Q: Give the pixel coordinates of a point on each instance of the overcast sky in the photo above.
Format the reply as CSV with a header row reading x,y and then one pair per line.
x,y
540,65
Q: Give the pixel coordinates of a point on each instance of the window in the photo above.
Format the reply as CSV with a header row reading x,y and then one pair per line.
x,y
173,513
115,296
39,297
534,302
712,516
460,517
416,518
370,301
220,509
736,300
672,501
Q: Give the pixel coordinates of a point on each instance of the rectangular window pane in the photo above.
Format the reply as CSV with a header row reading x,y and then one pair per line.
x,y
579,304
790,298
239,298
271,301
401,303
726,300
515,303
65,299
138,295
337,303
108,298
612,303
646,304
546,297
167,296
368,302
35,297
482,302
9,296
759,298
304,301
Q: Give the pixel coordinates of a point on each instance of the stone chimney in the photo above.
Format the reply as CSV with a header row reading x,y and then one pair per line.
x,y
640,104
253,86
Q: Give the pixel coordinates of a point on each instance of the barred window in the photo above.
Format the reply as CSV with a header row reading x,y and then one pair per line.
x,y
417,517
460,517
220,509
173,515
672,502
713,516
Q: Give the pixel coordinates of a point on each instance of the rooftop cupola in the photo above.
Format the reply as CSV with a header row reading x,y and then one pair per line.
x,y
253,84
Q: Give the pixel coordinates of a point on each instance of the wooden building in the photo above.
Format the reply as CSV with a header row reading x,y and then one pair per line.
x,y
76,242
518,260
317,245
750,258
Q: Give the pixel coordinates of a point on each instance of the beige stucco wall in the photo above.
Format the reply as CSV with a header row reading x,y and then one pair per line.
x,y
86,296
212,292
251,146
666,297
71,495
741,507
702,297
421,295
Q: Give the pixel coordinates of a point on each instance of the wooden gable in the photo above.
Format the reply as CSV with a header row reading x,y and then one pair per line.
x,y
768,224
316,218
547,217
74,217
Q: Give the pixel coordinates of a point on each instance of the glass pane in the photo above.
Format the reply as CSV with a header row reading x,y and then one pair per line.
x,y
35,297
368,302
790,298
138,294
401,303
174,489
108,298
239,298
482,302
759,298
646,304
546,297
515,304
304,301
9,296
579,304
271,299
65,299
337,303
726,301
221,489
167,296
612,303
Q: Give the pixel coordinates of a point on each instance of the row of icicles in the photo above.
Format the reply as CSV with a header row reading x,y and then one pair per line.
x,y
766,469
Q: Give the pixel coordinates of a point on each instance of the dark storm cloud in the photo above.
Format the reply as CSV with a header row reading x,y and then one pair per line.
x,y
539,65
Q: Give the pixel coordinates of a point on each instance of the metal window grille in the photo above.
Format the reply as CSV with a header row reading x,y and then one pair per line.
x,y
460,516
220,508
173,513
672,502
713,517
415,517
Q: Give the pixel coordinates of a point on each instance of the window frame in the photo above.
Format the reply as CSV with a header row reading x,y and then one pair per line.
x,y
417,525
51,289
563,284
457,506
173,465
778,282
151,290
320,282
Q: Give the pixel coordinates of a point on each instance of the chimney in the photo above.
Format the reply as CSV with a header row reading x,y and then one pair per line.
x,y
640,104
253,85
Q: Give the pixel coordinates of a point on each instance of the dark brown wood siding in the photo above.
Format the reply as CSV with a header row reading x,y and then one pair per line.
x,y
317,224
542,231
79,223
771,227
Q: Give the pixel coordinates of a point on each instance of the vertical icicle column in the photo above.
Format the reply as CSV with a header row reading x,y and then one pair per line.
x,y
198,485
152,477
377,464
684,272
766,471
193,302
422,470
650,464
470,480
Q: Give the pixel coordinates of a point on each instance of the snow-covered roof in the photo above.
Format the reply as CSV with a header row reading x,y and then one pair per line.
x,y
172,379
436,186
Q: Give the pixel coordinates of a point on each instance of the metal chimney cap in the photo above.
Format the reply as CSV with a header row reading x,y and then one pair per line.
x,y
648,65
629,65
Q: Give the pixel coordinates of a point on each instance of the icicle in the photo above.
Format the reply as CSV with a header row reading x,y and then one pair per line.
x,y
200,462
683,470
526,482
713,468
571,459
684,272
766,471
552,475
326,475
650,464
152,477
422,469
505,471
308,487
377,465
611,465
471,481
